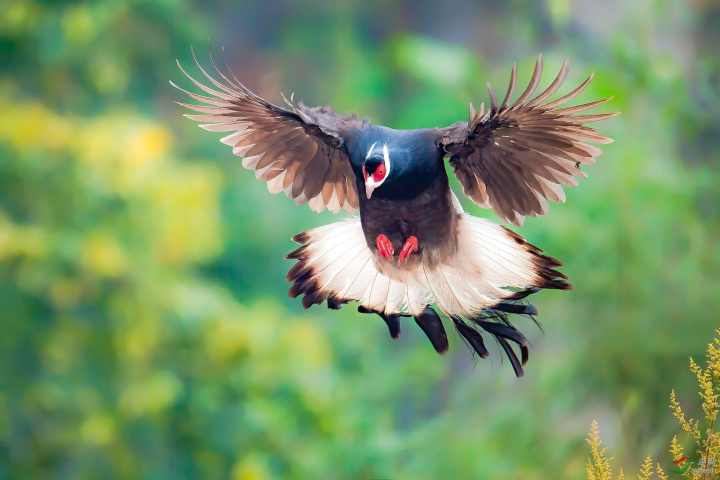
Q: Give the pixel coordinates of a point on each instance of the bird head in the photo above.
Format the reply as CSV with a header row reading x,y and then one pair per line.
x,y
376,168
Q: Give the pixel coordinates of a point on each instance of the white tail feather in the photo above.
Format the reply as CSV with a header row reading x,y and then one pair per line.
x,y
336,264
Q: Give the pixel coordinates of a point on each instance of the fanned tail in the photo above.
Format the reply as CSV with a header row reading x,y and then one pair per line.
x,y
478,288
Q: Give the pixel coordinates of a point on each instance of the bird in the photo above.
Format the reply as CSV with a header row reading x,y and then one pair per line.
x,y
413,250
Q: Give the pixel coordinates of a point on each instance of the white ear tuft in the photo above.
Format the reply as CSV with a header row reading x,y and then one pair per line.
x,y
386,158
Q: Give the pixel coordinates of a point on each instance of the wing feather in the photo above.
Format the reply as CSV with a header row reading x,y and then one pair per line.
x,y
299,151
515,158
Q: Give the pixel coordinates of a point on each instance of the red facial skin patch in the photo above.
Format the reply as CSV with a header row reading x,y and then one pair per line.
x,y
377,175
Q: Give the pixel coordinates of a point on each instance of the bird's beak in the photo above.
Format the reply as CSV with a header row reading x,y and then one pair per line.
x,y
369,187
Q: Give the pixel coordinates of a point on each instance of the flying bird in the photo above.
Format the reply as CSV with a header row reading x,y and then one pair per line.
x,y
412,246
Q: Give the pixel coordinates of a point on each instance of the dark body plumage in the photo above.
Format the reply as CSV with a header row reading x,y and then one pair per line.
x,y
427,214
413,245
417,198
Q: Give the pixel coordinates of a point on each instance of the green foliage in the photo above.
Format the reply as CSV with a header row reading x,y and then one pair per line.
x,y
145,329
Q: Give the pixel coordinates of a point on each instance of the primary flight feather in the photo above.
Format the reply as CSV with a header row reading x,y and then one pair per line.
x,y
512,157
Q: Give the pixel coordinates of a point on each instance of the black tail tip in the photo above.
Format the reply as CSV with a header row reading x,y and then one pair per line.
x,y
334,303
473,337
430,323
392,321
516,308
495,323
300,238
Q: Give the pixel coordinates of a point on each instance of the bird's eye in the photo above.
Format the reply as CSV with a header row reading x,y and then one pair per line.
x,y
379,173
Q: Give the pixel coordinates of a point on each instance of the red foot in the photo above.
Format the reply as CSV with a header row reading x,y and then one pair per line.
x,y
385,247
411,245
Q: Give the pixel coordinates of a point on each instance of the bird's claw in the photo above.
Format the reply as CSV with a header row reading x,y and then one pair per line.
x,y
411,245
385,247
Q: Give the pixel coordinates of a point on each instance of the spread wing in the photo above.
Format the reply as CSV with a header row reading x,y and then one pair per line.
x,y
514,157
300,151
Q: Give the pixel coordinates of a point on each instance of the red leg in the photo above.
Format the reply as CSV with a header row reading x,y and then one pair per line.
x,y
411,245
385,247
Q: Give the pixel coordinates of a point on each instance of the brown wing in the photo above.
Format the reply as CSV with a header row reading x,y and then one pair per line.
x,y
298,151
513,158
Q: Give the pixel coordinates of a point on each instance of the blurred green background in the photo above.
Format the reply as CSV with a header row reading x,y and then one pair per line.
x,y
145,329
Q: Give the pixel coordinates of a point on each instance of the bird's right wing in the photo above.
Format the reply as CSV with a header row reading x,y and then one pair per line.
x,y
300,151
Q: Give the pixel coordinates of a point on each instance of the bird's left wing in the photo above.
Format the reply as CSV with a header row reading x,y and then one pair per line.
x,y
514,157
300,151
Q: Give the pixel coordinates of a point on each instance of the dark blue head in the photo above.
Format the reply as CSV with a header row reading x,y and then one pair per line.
x,y
402,160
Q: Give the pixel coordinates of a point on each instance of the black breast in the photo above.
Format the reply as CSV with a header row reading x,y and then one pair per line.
x,y
428,215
